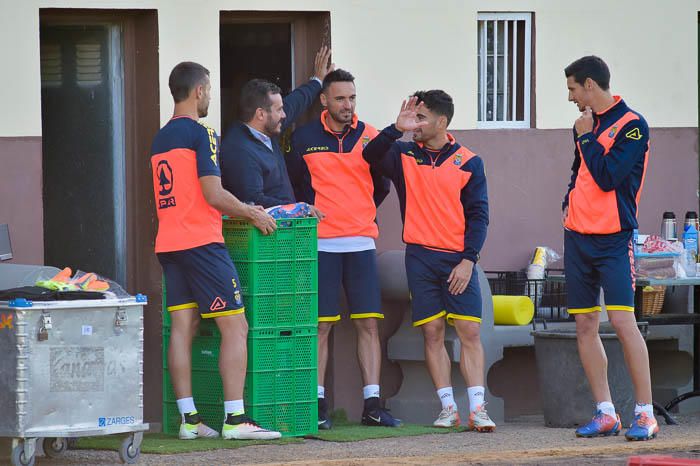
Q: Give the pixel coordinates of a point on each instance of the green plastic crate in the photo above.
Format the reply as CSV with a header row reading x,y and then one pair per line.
x,y
282,349
265,387
274,416
268,349
281,310
289,386
269,311
284,386
209,324
294,239
274,277
206,387
205,349
292,419
280,387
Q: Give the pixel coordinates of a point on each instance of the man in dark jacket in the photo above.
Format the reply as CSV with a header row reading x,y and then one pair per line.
x,y
252,164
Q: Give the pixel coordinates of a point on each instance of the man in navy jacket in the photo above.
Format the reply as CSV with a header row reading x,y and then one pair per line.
x,y
252,164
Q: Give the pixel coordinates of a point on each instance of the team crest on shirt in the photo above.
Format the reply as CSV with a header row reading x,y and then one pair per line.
x,y
165,181
612,132
237,298
458,159
365,141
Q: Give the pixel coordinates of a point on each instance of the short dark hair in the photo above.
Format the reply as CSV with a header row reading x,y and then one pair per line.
x,y
185,77
255,94
589,67
437,101
337,76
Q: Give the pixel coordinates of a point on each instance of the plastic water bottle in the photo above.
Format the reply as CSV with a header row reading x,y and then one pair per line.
x,y
690,239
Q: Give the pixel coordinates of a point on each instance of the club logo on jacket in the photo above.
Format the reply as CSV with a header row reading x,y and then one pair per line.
x,y
365,141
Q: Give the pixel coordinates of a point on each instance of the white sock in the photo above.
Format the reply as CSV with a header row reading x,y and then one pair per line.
x,y
644,408
234,407
447,397
606,407
186,405
370,391
476,397
321,391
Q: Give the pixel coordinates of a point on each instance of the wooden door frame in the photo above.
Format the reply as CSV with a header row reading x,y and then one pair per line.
x,y
310,31
307,37
141,122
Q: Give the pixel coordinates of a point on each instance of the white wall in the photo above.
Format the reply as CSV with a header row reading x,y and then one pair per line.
x,y
394,49
20,80
650,46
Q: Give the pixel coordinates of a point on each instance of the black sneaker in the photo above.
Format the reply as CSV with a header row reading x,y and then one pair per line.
x,y
375,415
324,420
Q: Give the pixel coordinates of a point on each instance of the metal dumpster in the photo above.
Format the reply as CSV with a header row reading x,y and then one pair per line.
x,y
71,369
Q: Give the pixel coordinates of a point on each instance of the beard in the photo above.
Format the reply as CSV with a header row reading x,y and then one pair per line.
x,y
273,128
342,117
203,111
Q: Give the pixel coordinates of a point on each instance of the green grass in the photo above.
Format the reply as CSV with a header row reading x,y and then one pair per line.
x,y
169,444
343,431
346,431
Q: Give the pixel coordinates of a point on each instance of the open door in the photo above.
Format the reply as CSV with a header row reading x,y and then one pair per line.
x,y
99,117
82,99
278,47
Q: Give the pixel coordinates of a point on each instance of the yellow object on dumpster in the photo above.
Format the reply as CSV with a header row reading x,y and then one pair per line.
x,y
512,310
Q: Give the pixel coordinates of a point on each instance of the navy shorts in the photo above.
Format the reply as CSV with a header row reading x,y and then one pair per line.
x,y
203,277
595,261
357,273
427,272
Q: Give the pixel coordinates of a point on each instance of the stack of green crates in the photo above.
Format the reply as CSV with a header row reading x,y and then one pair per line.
x,y
279,281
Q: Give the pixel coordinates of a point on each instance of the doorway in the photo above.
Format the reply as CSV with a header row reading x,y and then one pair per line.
x,y
82,95
100,112
276,46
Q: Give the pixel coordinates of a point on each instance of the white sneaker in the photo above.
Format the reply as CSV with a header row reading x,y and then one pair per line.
x,y
480,421
247,429
449,417
194,431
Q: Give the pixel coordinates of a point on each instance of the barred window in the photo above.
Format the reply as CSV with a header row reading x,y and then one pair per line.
x,y
504,61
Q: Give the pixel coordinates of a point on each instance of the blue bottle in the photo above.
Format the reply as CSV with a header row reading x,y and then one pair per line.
x,y
690,239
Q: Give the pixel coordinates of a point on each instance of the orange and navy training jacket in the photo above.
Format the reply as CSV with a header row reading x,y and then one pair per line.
x,y
608,172
442,194
327,169
182,152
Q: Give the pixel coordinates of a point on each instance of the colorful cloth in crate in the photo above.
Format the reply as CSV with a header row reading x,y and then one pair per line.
x,y
297,210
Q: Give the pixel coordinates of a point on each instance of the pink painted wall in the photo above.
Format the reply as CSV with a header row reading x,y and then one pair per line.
x,y
21,202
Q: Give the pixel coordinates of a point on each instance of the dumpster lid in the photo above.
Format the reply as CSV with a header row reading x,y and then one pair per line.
x,y
21,303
